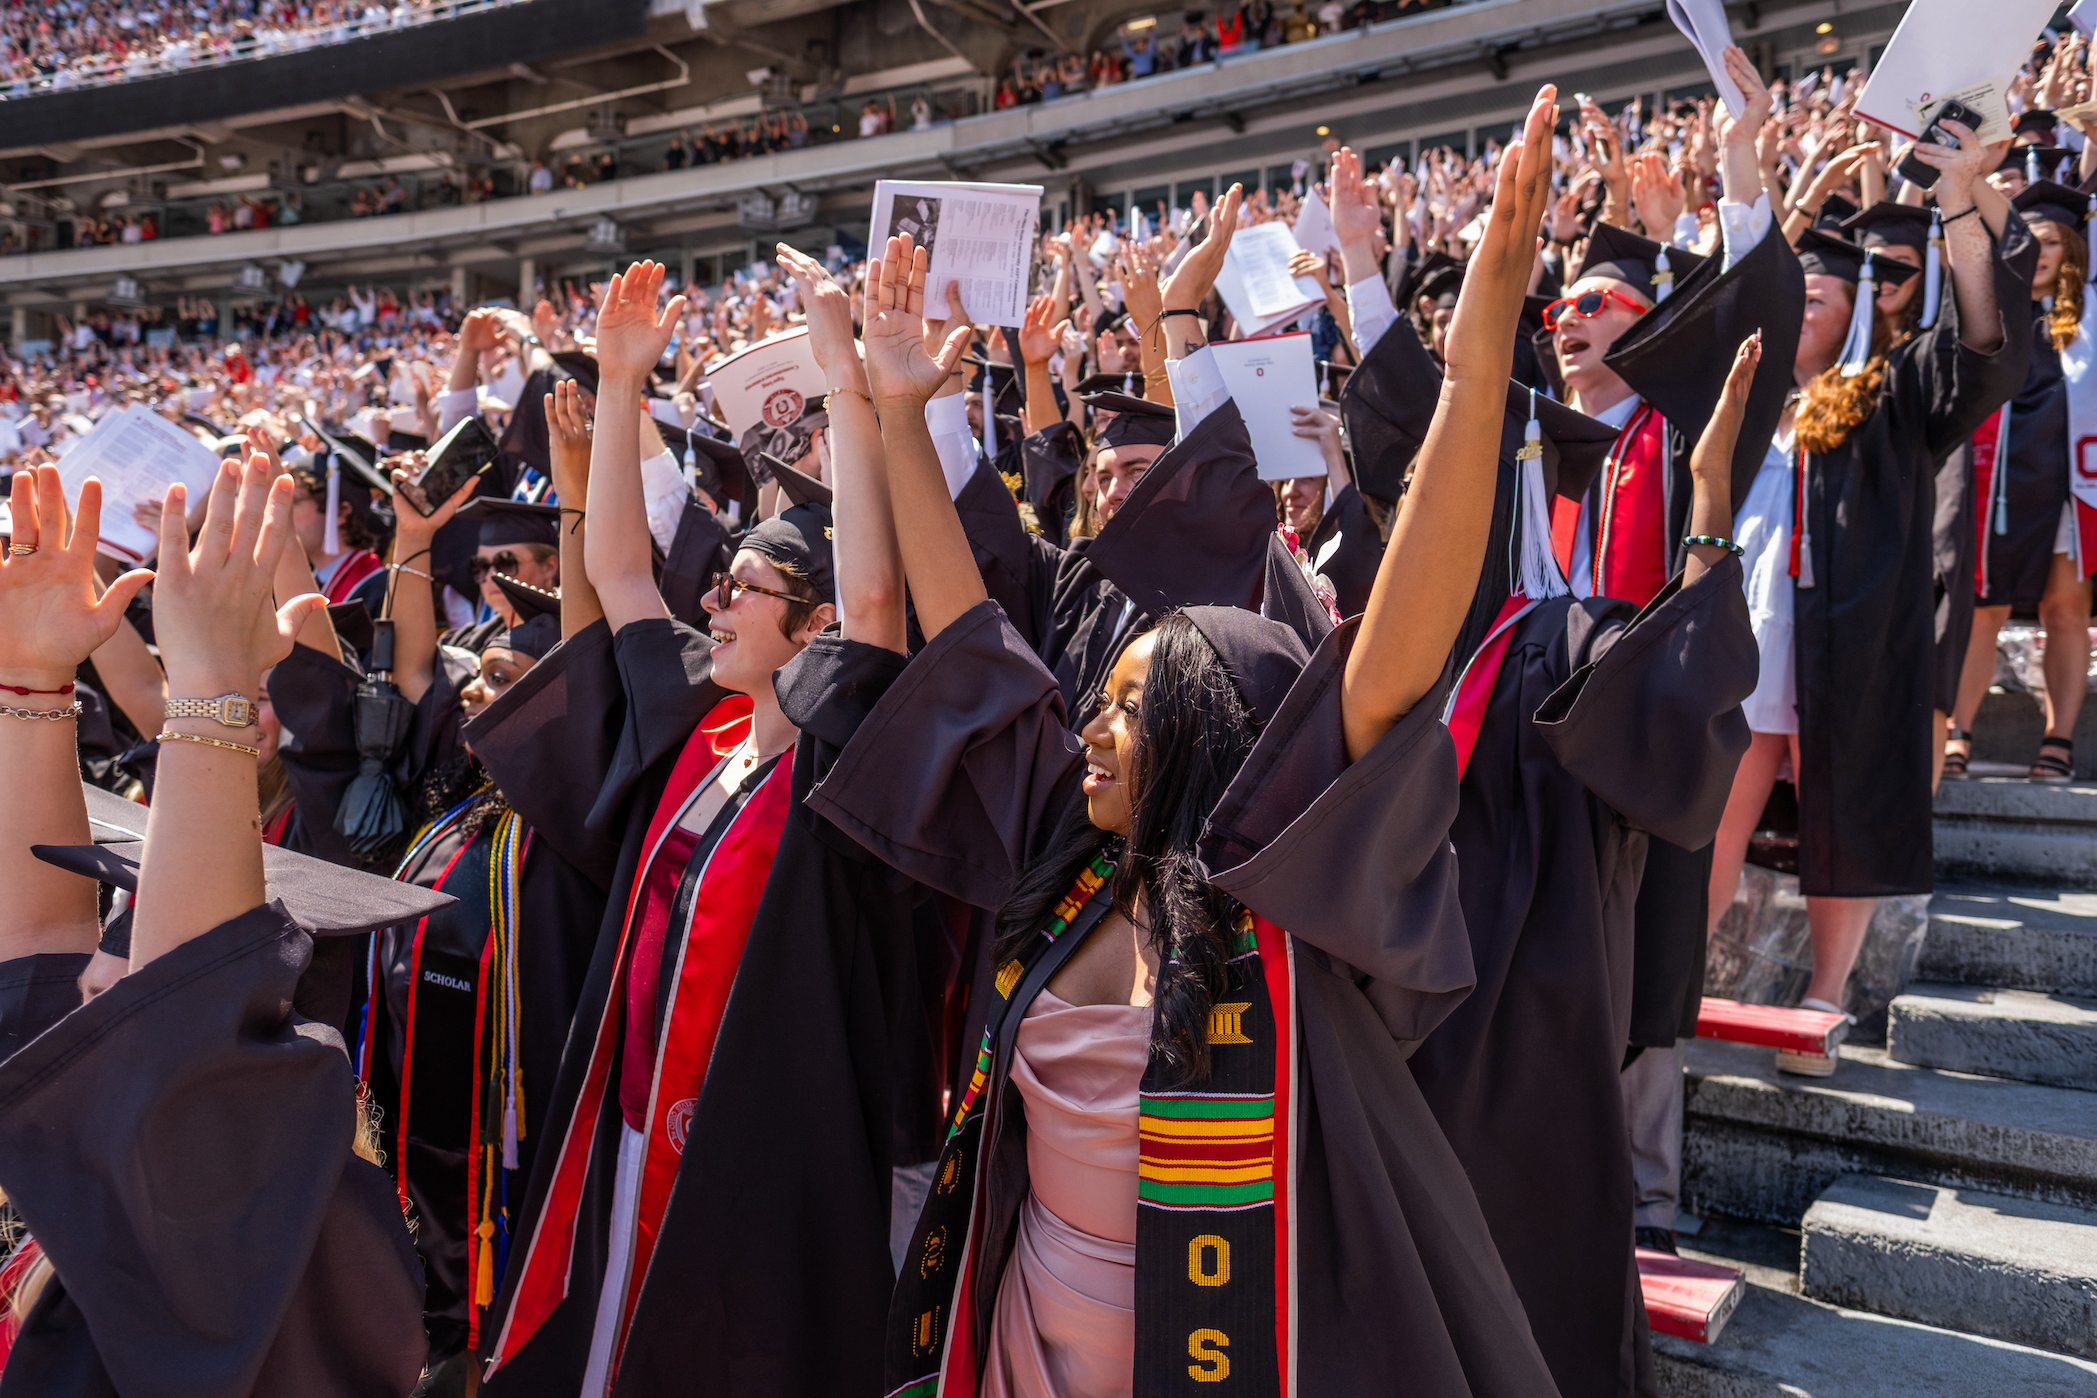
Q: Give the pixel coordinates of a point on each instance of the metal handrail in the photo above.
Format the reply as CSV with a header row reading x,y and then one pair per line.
x,y
106,71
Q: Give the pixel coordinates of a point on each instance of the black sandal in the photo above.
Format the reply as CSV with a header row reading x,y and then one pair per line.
x,y
2056,761
1955,762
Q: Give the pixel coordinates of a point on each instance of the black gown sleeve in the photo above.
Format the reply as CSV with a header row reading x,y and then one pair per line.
x,y
1353,859
181,1148
1649,720
1347,549
959,771
35,993
312,695
1949,390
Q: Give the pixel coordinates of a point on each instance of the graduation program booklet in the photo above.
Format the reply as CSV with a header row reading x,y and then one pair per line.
x,y
981,235
1267,377
1254,280
136,454
770,382
1704,23
1952,49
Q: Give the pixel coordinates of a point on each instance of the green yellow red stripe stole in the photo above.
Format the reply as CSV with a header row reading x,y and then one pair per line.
x,y
1214,1260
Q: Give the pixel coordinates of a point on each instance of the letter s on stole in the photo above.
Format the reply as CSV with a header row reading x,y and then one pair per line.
x,y
1213,1365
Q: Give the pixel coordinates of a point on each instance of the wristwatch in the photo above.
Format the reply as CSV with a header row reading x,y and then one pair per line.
x,y
231,710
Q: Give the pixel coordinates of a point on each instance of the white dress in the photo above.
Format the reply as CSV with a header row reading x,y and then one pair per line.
x,y
1763,530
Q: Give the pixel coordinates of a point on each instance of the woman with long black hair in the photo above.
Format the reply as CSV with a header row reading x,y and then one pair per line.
x,y
1191,1146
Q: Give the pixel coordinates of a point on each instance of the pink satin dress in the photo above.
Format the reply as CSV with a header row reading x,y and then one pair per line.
x,y
1065,1323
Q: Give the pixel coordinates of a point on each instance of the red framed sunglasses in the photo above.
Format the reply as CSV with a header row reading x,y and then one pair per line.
x,y
1587,305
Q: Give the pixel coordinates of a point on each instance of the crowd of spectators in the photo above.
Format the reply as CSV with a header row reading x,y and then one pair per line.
x,y
51,45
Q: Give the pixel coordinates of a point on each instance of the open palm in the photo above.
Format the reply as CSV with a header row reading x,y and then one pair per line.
x,y
50,618
898,364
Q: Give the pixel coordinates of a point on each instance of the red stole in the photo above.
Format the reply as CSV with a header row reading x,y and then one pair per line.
x,y
1465,715
350,570
542,1272
1987,452
1631,547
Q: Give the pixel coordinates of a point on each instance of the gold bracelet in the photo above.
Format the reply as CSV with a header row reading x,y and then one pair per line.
x,y
71,710
858,394
168,736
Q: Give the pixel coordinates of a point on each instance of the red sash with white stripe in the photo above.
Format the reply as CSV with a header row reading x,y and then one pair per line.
x,y
1465,714
1631,552
350,570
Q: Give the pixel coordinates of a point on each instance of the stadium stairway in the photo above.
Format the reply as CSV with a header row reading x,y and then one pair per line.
x,y
1925,1220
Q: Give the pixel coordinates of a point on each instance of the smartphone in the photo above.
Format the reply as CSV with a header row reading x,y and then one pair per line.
x,y
1925,176
460,454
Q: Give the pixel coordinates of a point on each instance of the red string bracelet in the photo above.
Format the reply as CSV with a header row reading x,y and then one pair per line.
x,y
62,690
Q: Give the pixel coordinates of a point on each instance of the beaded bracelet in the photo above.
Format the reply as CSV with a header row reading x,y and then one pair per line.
x,y
170,737
416,572
1715,542
71,710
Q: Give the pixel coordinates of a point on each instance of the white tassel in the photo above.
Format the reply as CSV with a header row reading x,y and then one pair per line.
x,y
1856,350
2000,483
1663,277
1532,565
2031,164
990,418
331,539
509,1132
1933,272
1128,383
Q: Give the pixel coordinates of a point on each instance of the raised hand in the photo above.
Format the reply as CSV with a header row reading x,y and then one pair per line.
x,y
50,618
1189,284
1137,269
902,371
1657,194
214,612
568,439
411,525
1040,331
1480,340
829,318
1357,214
1712,457
631,333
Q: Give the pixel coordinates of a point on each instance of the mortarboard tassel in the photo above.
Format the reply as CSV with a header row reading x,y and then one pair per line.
x,y
1128,383
1533,567
1933,271
990,418
1325,381
331,540
1663,277
2031,164
1856,350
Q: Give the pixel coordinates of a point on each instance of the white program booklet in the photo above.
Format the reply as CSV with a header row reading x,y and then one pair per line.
x,y
1254,280
770,382
980,235
1314,230
136,454
1267,377
1704,22
1952,50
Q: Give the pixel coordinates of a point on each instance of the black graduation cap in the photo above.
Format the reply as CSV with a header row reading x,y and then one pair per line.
x,y
1442,284
2046,202
1111,321
799,535
1434,262
538,628
328,900
1630,258
1263,656
526,436
1835,213
1135,421
513,521
529,601
1887,224
352,623
1128,381
2042,162
581,366
2036,122
1005,396
720,468
1829,255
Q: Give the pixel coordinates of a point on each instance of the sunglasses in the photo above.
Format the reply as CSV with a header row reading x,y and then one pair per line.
x,y
504,562
1588,304
727,585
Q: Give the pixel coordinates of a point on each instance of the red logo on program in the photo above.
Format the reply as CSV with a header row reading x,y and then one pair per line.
x,y
783,408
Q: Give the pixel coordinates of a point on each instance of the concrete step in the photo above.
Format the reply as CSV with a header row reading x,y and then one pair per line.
x,y
2023,1034
1760,1144
1978,1263
1780,1344
2019,938
2012,830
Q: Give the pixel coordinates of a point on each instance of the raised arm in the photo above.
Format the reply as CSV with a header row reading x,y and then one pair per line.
x,y
1711,463
410,600
220,628
568,439
1040,332
631,337
905,371
50,621
869,566
1966,243
1438,545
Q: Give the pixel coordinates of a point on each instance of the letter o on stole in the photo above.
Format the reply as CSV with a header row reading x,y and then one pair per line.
x,y
1201,1270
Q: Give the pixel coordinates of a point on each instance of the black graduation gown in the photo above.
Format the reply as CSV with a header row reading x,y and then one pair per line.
x,y
180,1148
1346,549
771,1272
702,546
439,957
2021,554
959,775
35,993
1863,634
1049,464
1952,550
1598,731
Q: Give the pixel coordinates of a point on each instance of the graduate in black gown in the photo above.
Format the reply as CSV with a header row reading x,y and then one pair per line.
x,y
709,1209
182,1148
1842,551
2030,551
1293,1218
